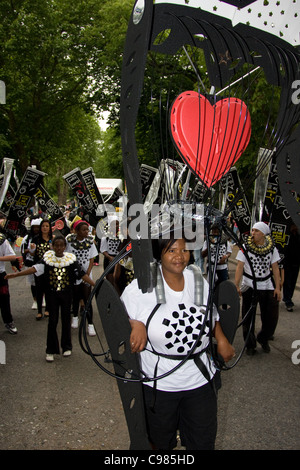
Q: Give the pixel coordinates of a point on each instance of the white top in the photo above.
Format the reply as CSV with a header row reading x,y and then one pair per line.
x,y
110,245
173,329
223,248
261,266
5,250
83,255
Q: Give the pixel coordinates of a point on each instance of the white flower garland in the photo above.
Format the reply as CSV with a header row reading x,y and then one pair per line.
x,y
59,262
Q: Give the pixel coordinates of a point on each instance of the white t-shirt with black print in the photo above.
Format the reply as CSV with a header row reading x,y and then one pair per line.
x,y
173,330
261,266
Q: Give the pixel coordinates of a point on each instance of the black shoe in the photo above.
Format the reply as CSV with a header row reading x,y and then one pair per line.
x,y
11,328
265,346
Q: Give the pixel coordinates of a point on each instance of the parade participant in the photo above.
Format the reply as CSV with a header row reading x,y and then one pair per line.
x,y
110,245
28,257
40,244
163,334
60,270
83,247
6,254
223,250
264,257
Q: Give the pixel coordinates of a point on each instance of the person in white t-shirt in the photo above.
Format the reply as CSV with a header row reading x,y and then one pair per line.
x,y
6,254
82,245
264,257
221,248
185,399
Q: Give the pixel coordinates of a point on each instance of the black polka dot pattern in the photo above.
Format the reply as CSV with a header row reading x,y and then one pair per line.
x,y
261,264
182,329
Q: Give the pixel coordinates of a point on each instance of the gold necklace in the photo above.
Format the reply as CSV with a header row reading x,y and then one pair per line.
x,y
264,249
51,259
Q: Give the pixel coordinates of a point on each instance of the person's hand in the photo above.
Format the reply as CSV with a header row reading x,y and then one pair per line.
x,y
225,349
277,294
238,289
138,337
10,275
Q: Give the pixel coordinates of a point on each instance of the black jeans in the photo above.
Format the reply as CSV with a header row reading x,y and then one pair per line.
x,y
269,309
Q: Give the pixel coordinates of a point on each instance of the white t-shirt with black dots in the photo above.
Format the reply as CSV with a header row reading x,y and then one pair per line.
x,y
261,266
85,250
173,330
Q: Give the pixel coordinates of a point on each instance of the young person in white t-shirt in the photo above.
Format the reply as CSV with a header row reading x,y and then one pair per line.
x,y
6,254
185,399
264,257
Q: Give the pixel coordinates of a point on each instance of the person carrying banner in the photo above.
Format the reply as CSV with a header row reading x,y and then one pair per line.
x,y
164,332
6,254
264,257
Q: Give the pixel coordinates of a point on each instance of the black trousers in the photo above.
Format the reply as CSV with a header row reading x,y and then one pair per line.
x,y
193,412
41,291
269,308
59,302
82,291
5,299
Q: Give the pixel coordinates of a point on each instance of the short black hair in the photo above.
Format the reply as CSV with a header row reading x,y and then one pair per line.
x,y
159,245
58,237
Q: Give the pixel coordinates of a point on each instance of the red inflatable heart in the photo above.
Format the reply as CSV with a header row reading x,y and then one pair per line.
x,y
209,138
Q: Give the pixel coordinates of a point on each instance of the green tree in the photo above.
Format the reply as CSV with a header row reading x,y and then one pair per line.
x,y
59,60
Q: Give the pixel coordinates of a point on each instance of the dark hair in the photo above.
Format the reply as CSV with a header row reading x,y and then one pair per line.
x,y
58,237
159,245
50,231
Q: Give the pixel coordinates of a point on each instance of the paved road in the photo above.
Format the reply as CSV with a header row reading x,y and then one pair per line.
x,y
71,404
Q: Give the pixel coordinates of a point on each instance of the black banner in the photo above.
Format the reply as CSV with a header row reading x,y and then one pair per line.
x,y
240,211
8,198
14,225
77,184
46,203
89,178
275,213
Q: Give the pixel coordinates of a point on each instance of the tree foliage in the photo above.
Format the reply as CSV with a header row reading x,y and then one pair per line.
x,y
60,61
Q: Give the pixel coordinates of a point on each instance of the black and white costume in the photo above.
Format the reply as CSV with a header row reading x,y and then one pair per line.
x,y
172,331
261,259
60,274
84,250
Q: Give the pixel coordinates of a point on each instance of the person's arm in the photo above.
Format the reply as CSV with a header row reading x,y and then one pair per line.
x,y
225,349
8,258
26,272
277,280
238,275
86,278
138,336
91,264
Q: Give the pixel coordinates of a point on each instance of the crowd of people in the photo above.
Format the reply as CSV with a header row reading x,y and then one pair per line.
x,y
59,270
60,281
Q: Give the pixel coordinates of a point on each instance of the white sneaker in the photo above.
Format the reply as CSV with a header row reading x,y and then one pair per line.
x,y
74,323
34,305
44,302
67,353
49,357
91,330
